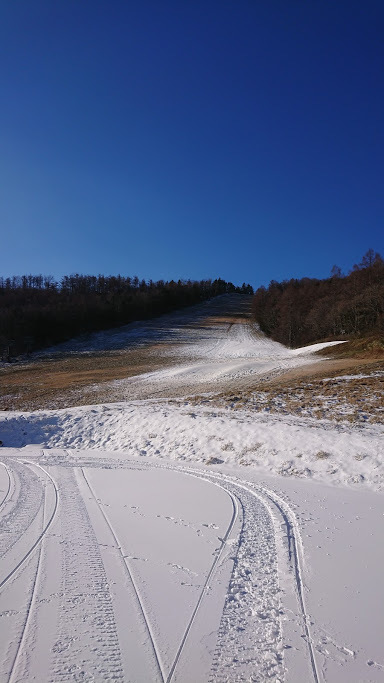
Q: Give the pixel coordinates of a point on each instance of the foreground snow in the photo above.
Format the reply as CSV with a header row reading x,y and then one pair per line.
x,y
293,446
128,569
167,551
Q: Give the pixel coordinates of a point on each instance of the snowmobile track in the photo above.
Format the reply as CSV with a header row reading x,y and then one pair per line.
x,y
294,549
32,599
41,535
235,512
86,643
21,507
155,650
6,495
167,678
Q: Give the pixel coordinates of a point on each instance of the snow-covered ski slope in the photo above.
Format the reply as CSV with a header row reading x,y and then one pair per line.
x,y
210,347
174,541
233,353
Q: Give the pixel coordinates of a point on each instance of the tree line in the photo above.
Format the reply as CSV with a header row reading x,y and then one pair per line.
x,y
37,311
298,312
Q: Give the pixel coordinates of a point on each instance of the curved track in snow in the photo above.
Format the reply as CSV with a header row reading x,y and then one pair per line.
x,y
215,562
40,537
30,607
167,677
7,490
264,626
294,549
155,649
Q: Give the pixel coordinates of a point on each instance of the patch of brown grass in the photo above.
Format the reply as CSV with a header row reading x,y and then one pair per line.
x,y
370,347
321,393
327,368
48,383
227,320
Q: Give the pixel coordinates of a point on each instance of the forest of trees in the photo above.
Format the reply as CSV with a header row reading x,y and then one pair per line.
x,y
299,312
38,311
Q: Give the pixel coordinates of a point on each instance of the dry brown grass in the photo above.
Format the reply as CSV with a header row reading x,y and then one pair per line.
x,y
229,320
54,382
319,392
327,368
370,347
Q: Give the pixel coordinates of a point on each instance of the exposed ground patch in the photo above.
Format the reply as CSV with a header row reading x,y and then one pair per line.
x,y
341,392
59,382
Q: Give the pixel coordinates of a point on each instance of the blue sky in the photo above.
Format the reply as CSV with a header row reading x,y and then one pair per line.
x,y
191,139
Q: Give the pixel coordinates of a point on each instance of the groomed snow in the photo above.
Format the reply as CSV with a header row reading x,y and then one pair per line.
x,y
120,568
223,353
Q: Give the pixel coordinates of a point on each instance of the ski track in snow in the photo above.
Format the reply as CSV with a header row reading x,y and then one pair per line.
x,y
22,509
38,540
8,486
20,651
205,588
156,651
85,597
86,644
250,637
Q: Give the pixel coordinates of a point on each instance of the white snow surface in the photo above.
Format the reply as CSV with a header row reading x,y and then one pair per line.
x,y
158,540
132,569
175,430
229,354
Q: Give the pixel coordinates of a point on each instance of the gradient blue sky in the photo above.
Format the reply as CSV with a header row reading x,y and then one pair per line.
x,y
191,139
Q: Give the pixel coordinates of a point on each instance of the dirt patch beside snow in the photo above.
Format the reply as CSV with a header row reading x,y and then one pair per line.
x,y
60,382
326,392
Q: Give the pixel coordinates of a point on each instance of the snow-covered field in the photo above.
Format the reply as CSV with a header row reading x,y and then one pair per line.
x,y
174,540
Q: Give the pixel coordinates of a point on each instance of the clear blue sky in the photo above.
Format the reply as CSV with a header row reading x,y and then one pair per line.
x,y
191,139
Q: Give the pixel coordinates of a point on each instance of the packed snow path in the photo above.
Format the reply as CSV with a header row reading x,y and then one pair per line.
x,y
132,593
122,602
118,569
